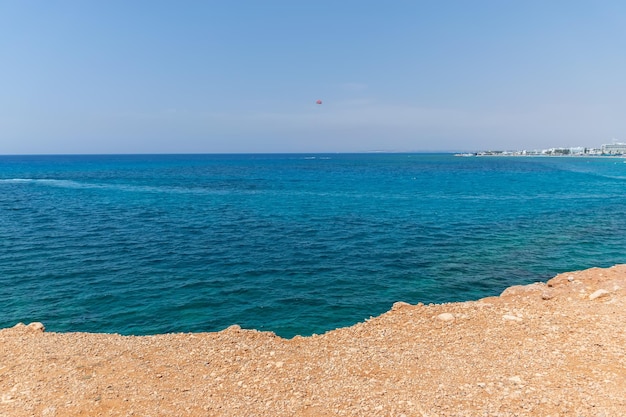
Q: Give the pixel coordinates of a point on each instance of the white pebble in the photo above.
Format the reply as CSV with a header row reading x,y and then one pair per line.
x,y
598,294
446,317
515,379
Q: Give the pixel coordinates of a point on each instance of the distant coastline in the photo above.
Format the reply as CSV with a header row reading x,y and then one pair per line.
x,y
607,150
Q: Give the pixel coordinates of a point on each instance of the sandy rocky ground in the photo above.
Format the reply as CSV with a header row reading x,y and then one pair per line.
x,y
546,349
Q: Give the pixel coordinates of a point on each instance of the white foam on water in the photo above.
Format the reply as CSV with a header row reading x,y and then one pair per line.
x,y
113,187
47,181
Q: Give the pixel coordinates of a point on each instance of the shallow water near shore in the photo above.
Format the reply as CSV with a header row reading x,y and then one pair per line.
x,y
295,244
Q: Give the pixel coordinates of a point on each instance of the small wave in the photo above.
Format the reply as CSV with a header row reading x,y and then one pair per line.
x,y
615,177
45,181
76,184
114,187
15,180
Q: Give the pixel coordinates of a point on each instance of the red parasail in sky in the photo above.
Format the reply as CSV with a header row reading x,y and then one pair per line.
x,y
318,102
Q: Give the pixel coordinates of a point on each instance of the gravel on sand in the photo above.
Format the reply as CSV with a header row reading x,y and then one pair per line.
x,y
545,349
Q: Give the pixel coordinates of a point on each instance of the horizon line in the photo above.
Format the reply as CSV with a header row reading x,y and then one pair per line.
x,y
238,153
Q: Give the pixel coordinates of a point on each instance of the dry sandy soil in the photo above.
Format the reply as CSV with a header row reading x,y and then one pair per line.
x,y
546,349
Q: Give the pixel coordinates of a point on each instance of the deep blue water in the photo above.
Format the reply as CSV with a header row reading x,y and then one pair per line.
x,y
296,244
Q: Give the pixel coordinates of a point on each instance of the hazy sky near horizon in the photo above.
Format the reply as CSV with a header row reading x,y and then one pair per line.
x,y
243,76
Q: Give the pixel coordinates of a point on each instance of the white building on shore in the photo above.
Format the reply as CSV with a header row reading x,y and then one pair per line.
x,y
614,149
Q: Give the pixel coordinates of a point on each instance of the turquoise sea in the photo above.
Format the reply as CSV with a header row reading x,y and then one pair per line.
x,y
295,244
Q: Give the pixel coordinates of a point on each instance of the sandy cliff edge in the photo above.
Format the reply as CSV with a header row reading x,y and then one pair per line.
x,y
545,349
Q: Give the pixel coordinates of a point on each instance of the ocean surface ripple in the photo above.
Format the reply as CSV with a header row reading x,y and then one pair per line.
x,y
295,244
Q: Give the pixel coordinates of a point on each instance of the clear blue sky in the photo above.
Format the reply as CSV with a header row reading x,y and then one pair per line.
x,y
243,76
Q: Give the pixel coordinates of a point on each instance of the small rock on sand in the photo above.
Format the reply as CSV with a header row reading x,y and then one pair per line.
x,y
446,317
598,294
398,305
37,326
